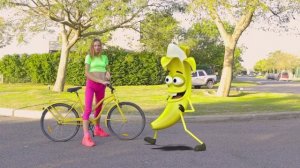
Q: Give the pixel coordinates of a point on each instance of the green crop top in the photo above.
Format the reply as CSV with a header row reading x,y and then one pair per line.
x,y
97,64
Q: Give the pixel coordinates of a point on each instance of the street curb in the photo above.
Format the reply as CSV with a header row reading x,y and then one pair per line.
x,y
20,113
188,118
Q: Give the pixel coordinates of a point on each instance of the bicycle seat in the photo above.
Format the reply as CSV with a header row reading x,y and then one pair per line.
x,y
74,89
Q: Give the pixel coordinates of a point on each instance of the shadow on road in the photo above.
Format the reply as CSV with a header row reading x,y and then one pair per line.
x,y
174,148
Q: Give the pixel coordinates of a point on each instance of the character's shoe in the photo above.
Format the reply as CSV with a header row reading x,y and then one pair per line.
x,y
100,132
201,147
87,141
150,140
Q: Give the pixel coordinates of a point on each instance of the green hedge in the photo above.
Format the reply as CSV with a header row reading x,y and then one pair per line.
x,y
127,68
131,68
12,68
75,70
35,68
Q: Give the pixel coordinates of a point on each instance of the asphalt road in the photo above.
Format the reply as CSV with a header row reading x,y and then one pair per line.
x,y
247,144
273,86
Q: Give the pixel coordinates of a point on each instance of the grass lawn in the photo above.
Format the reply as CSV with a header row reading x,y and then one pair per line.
x,y
152,99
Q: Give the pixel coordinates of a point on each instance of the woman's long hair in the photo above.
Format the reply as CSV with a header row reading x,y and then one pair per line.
x,y
92,51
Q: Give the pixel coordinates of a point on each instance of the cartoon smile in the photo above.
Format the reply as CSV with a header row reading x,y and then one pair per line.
x,y
178,95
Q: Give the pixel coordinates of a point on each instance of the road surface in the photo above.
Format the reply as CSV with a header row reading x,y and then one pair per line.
x,y
234,144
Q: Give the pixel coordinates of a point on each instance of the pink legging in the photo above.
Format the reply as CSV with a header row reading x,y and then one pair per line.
x,y
93,88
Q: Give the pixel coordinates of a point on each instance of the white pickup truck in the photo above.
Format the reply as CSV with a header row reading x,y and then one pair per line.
x,y
201,78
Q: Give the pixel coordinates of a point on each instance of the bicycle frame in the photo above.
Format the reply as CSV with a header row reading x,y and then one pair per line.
x,y
74,121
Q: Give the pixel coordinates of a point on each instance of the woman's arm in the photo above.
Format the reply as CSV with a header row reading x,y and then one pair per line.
x,y
107,75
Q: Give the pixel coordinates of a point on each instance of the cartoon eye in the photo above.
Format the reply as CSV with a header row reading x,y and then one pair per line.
x,y
178,81
168,80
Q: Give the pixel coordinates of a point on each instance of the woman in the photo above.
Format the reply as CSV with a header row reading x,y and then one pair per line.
x,y
97,79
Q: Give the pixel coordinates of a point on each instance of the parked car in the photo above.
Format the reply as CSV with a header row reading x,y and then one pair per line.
x,y
272,76
252,74
283,76
201,78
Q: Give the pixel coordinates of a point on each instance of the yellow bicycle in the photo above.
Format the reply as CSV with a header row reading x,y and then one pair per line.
x,y
60,122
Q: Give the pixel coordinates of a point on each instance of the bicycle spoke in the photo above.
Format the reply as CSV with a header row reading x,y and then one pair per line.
x,y
126,122
56,129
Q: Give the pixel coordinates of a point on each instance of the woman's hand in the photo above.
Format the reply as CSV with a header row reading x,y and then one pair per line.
x,y
106,82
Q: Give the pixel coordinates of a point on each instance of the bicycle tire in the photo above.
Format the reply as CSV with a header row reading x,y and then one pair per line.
x,y
56,131
134,126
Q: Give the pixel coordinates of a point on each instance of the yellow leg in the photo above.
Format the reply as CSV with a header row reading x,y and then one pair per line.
x,y
155,134
190,133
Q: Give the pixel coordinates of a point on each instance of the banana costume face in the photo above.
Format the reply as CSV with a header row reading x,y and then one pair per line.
x,y
179,68
175,80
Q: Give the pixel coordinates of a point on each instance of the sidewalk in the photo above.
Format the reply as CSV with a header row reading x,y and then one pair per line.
x,y
20,113
204,118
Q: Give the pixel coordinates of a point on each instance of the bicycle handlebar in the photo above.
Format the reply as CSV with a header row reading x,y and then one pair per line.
x,y
110,87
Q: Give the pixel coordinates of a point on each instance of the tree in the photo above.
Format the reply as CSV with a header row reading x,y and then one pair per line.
x,y
5,37
242,12
203,38
77,20
261,66
237,67
278,61
207,47
157,31
1,32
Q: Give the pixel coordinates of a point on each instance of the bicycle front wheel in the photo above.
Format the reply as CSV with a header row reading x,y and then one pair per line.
x,y
56,122
126,123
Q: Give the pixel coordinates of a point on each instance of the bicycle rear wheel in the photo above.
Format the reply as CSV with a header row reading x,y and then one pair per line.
x,y
129,125
54,125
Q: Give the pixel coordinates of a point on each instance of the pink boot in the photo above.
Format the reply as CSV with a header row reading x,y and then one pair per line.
x,y
100,132
87,141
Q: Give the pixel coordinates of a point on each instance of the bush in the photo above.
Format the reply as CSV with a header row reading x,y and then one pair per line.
x,y
75,70
12,68
42,68
126,67
134,68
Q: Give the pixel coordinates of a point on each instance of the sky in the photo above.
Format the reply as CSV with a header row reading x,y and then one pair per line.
x,y
37,44
258,43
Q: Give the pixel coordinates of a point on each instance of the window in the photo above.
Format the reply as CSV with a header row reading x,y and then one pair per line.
x,y
201,73
194,74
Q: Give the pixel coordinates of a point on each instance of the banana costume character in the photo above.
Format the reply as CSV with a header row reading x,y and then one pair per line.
x,y
179,84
